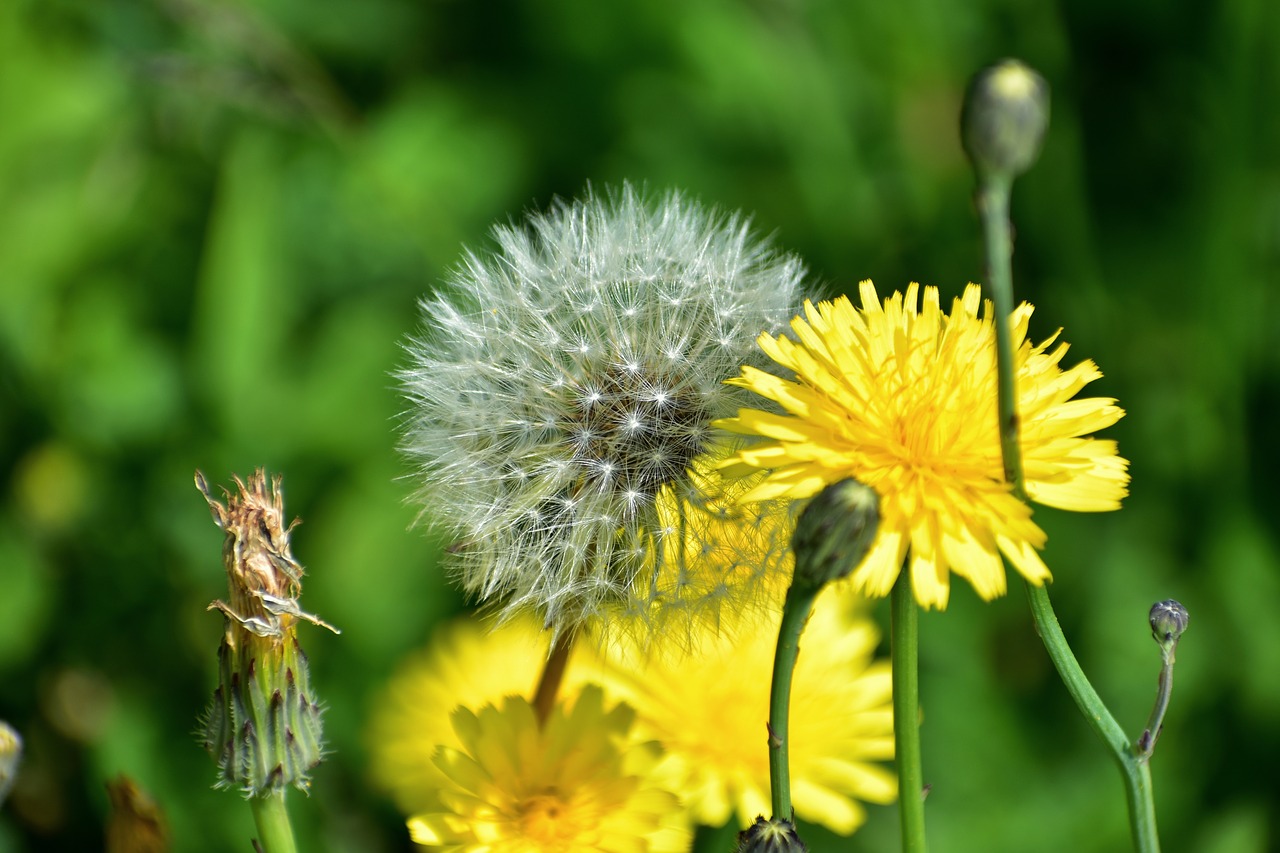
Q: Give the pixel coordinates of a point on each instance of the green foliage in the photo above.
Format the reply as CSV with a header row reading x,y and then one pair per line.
x,y
216,218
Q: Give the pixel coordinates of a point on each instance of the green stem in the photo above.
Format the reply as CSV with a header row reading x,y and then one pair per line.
x,y
904,649
795,612
993,207
275,834
1164,689
1142,806
1086,698
1134,770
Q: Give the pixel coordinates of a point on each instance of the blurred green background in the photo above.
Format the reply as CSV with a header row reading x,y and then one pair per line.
x,y
216,218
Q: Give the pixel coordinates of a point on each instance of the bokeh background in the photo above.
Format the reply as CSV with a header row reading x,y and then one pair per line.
x,y
216,219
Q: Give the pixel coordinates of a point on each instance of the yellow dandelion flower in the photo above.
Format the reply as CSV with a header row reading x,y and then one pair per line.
x,y
568,786
904,399
708,710
464,664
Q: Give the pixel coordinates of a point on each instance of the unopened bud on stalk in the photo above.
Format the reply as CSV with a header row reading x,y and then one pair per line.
x,y
1005,114
137,824
1168,620
263,725
835,532
771,836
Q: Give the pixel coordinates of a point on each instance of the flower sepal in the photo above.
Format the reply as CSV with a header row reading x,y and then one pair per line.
x,y
771,836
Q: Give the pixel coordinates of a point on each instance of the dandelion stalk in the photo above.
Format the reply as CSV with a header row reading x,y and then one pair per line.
x,y
795,612
275,833
832,537
1005,115
1134,770
906,712
544,698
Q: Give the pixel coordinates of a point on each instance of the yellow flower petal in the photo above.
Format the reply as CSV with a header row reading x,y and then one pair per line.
x,y
704,707
562,785
463,665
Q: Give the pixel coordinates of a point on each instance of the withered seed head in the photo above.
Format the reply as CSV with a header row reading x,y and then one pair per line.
x,y
264,685
264,578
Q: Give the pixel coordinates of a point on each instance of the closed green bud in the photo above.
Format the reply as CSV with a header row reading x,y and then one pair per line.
x,y
263,726
1168,620
835,532
1005,114
771,836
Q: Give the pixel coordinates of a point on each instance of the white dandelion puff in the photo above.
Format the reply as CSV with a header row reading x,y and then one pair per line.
x,y
563,391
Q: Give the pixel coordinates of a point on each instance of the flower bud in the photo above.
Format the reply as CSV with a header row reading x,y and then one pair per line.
x,y
10,756
263,725
137,824
1005,114
1168,620
835,532
771,836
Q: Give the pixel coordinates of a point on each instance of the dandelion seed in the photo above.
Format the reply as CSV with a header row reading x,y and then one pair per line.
x,y
612,325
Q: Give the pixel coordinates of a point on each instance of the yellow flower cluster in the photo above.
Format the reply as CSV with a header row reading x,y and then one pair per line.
x,y
692,725
664,730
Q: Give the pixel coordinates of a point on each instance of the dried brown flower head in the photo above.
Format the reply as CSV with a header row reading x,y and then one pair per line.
x,y
263,726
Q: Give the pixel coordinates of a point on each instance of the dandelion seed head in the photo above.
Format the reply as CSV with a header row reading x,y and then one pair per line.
x,y
566,382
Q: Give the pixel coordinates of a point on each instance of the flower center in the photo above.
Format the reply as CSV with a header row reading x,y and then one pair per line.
x,y
548,820
635,428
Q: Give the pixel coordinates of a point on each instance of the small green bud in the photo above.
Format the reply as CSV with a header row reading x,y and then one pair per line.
x,y
1002,123
835,532
771,836
1168,620
263,725
10,756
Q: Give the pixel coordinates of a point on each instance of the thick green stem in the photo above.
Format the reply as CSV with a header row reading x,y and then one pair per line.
x,y
905,646
275,834
795,612
993,207
1142,806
